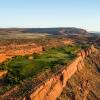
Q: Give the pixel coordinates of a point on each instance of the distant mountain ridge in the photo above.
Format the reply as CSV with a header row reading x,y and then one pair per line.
x,y
53,31
58,31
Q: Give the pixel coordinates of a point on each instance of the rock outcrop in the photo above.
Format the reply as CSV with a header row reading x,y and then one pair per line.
x,y
7,52
3,74
52,88
84,85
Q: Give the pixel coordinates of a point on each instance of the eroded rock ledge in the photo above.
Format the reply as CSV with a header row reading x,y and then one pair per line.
x,y
51,88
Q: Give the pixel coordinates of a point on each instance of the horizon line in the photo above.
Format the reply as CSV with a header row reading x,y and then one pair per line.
x,y
47,27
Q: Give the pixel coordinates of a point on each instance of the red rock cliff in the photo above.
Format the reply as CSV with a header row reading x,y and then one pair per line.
x,y
52,88
14,50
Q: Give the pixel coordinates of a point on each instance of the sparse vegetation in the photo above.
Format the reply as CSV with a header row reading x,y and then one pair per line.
x,y
21,67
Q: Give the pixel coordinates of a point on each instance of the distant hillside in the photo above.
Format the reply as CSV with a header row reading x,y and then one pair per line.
x,y
31,33
53,31
57,31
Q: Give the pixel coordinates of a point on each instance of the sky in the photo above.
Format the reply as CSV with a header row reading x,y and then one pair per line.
x,y
50,13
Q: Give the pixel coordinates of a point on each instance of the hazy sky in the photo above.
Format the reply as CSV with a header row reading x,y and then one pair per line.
x,y
50,13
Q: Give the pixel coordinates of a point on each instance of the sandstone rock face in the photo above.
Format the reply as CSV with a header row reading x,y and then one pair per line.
x,y
83,85
88,51
67,42
3,74
7,52
52,88
3,57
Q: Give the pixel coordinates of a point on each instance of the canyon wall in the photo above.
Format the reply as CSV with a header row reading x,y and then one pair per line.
x,y
52,88
11,50
7,52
